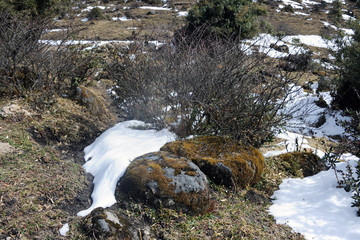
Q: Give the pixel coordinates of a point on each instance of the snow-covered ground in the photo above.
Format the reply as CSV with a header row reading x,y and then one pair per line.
x,y
316,208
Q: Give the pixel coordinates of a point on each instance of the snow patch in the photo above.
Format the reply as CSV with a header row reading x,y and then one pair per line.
x,y
64,229
155,8
316,208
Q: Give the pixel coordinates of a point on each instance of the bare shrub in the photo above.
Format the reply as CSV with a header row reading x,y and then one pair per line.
x,y
36,69
203,87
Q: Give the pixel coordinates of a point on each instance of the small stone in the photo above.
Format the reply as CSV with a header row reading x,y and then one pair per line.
x,y
6,148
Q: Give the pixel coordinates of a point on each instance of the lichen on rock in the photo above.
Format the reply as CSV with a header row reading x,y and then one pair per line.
x,y
224,161
107,224
162,179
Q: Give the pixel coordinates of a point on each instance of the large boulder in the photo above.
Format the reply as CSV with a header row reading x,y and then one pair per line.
x,y
162,179
224,161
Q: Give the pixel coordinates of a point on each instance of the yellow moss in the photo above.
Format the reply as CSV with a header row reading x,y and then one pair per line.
x,y
246,163
91,100
301,164
142,171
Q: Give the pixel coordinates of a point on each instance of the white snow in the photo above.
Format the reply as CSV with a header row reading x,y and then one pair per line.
x,y
301,13
64,229
108,157
305,113
57,30
294,4
347,17
89,8
123,19
310,40
263,41
155,8
345,30
316,208
183,14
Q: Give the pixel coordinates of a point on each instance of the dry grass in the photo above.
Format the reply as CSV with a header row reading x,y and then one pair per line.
x,y
34,182
159,25
42,179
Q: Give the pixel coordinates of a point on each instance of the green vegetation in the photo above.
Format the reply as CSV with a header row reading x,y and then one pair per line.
x,y
35,8
348,84
336,12
95,13
226,17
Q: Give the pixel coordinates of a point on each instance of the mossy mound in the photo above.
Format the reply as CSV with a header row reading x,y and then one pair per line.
x,y
91,100
302,164
106,224
224,161
161,179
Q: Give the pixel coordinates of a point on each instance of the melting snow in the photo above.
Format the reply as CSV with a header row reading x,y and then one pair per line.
x,y
64,229
316,208
124,18
155,8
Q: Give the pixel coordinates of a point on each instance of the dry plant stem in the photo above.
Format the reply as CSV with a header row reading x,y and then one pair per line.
x,y
202,86
28,66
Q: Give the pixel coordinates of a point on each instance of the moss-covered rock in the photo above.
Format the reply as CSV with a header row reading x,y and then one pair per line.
x,y
106,224
302,164
224,161
162,179
91,100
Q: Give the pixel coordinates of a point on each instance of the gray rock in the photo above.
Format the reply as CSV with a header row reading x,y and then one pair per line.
x,y
172,182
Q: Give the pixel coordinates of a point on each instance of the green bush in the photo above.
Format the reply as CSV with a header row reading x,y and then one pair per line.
x,y
239,18
288,8
95,13
35,8
336,12
347,92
